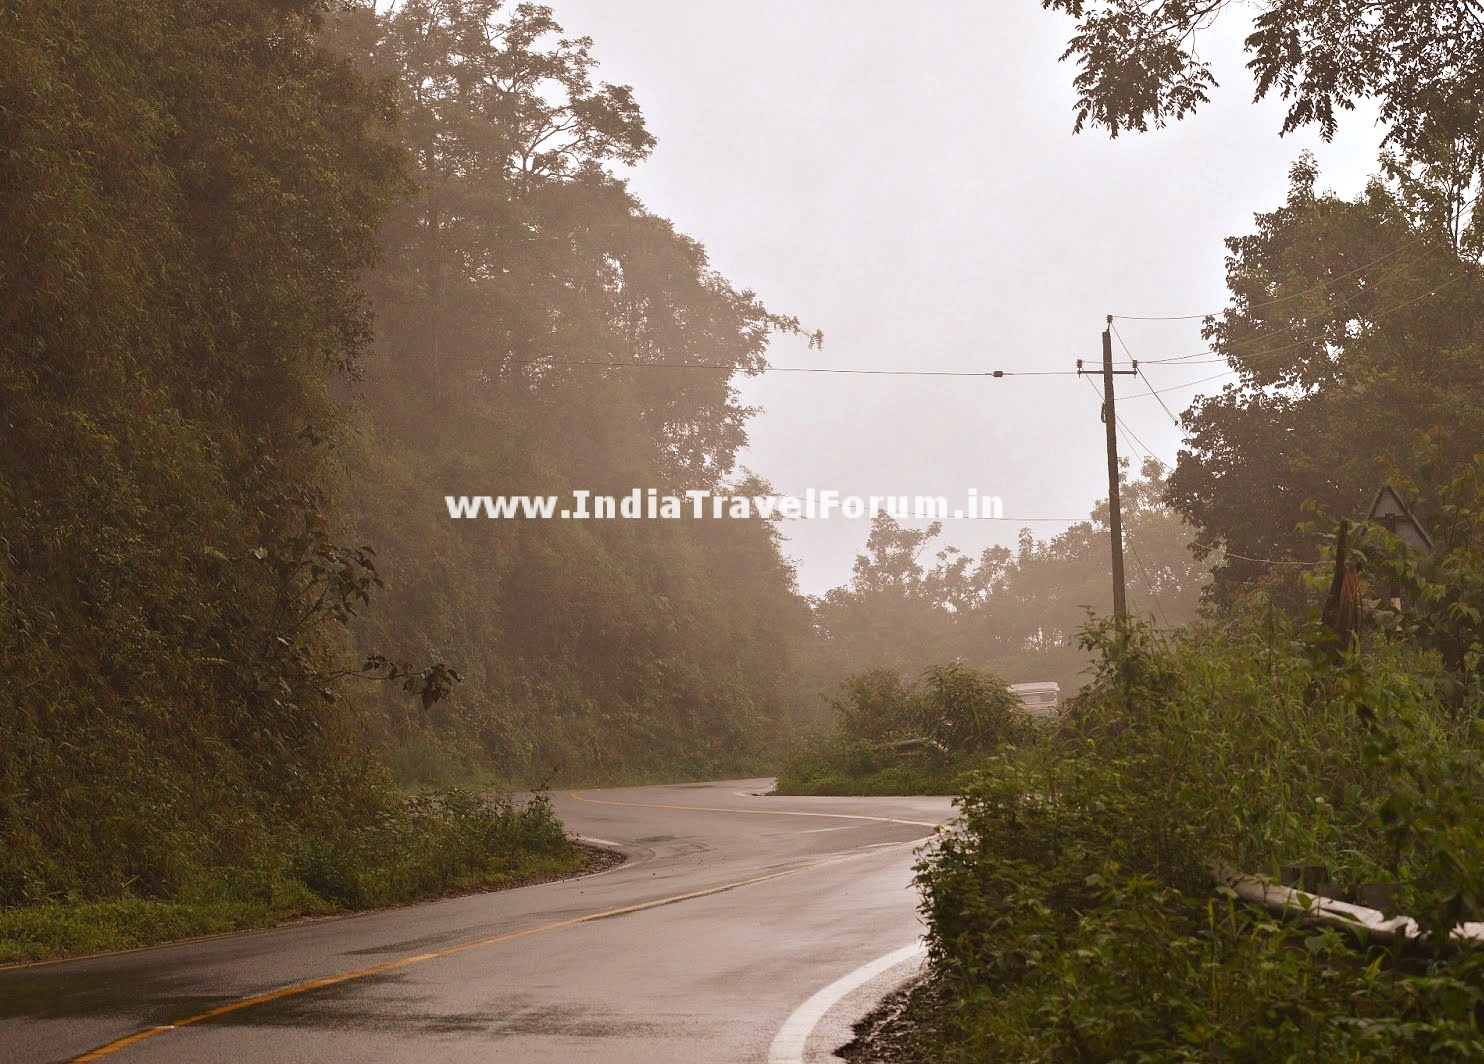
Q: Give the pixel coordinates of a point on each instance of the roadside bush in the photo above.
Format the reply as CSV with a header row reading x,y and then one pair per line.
x,y
381,855
834,763
1072,910
878,705
436,843
894,737
969,712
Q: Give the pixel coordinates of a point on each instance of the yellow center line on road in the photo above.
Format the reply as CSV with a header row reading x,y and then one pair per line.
x,y
403,962
756,812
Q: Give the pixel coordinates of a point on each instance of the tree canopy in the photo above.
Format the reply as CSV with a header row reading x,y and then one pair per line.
x,y
1423,60
539,331
1354,329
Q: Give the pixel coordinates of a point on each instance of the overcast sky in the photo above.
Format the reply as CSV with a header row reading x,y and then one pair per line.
x,y
905,178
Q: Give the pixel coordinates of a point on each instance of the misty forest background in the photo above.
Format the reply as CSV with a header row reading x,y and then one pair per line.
x,y
278,279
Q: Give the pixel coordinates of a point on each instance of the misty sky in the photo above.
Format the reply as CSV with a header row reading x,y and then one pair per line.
x,y
905,178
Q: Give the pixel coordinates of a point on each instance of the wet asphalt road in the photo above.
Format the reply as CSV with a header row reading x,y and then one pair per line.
x,y
733,910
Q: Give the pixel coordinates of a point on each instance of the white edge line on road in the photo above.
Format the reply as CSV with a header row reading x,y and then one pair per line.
x,y
792,1038
597,841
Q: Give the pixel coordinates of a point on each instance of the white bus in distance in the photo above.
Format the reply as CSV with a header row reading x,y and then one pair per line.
x,y
1038,699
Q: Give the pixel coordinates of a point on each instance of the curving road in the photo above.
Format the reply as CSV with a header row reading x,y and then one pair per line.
x,y
741,928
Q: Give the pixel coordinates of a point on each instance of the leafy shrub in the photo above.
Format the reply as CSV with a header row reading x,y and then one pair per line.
x,y
1072,911
967,711
956,716
877,705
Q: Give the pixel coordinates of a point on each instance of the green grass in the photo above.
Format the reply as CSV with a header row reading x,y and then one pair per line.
x,y
67,929
834,772
441,845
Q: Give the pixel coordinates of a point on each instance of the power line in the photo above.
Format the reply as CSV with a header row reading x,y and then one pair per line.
x,y
1292,295
556,363
1115,508
1180,387
1148,582
1163,405
1316,288
1269,355
1185,358
922,372
1136,445
1246,558
1142,376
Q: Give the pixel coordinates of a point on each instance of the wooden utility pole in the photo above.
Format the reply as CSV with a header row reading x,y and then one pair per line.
x,y
1115,511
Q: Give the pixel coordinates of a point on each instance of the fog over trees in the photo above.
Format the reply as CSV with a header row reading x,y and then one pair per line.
x,y
278,278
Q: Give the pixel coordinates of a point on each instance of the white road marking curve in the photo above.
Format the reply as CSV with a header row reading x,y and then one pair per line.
x,y
789,1043
594,840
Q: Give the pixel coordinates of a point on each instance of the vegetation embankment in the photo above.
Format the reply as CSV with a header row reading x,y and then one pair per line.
x,y
428,847
207,398
1073,912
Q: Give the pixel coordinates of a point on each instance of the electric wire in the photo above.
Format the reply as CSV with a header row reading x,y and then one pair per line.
x,y
1316,288
557,363
1273,353
1247,558
1163,405
1148,581
1135,445
1147,382
1185,358
1138,446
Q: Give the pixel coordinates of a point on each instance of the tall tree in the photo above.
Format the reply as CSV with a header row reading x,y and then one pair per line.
x,y
541,331
1355,328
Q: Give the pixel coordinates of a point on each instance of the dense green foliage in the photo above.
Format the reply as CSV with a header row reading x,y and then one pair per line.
x,y
1444,589
521,284
1355,328
1073,911
194,190
893,737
